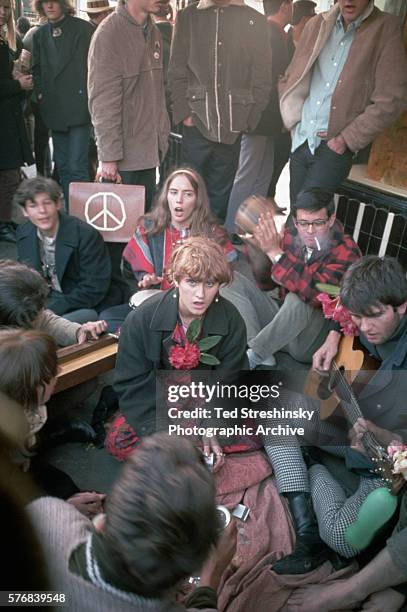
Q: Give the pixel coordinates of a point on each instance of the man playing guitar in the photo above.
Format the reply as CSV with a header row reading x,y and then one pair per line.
x,y
374,290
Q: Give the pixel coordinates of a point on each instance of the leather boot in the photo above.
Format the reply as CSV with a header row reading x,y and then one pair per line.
x,y
76,430
310,552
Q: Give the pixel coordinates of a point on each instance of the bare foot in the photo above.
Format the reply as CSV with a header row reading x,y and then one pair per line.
x,y
322,598
388,600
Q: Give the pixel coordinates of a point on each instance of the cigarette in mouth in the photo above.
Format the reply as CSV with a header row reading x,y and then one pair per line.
x,y
317,242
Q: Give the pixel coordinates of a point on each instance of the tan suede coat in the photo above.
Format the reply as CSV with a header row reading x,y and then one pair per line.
x,y
126,92
372,88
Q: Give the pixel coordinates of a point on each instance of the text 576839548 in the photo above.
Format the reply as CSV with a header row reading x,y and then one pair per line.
x,y
32,598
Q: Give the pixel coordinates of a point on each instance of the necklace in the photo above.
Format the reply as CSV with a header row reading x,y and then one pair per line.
x,y
183,235
56,32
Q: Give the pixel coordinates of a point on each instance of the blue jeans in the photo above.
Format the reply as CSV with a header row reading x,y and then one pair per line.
x,y
71,156
325,169
216,163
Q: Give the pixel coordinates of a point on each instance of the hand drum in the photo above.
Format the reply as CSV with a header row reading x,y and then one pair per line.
x,y
248,214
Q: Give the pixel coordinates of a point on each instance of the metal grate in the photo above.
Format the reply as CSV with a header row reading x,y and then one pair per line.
x,y
377,230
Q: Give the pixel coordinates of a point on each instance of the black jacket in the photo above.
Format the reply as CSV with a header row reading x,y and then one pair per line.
x,y
220,69
145,340
383,399
82,263
14,147
60,73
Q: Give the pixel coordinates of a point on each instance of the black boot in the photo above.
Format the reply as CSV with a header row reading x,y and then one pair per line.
x,y
310,552
75,430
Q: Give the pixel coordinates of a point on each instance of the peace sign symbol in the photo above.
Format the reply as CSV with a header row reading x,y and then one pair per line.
x,y
107,208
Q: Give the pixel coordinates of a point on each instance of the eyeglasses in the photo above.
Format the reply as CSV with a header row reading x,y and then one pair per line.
x,y
317,224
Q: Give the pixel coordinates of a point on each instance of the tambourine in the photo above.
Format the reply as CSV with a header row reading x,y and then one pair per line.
x,y
248,214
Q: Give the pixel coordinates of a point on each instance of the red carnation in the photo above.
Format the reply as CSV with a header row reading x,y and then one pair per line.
x,y
184,357
333,309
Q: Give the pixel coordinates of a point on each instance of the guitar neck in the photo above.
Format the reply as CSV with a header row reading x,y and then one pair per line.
x,y
351,408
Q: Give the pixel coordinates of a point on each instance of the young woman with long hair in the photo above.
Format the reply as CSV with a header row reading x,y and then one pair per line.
x,y
181,210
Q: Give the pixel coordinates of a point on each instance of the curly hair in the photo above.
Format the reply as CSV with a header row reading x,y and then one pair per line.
x,y
201,259
161,516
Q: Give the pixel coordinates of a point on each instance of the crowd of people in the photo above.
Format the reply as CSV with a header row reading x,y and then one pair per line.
x,y
203,301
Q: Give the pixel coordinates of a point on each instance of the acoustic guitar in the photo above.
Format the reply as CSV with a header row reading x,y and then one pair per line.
x,y
352,364
352,367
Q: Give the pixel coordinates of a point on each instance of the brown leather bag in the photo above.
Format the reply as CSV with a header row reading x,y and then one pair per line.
x,y
113,209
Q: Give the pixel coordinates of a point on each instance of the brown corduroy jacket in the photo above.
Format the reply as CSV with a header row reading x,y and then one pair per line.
x,y
126,92
371,91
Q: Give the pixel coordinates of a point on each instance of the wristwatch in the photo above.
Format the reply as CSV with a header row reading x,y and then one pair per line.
x,y
276,258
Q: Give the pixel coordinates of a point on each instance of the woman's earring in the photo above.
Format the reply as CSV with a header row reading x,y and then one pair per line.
x,y
175,294
217,298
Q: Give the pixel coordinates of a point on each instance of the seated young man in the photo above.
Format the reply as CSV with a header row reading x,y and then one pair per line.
x,y
159,527
314,249
23,299
70,254
374,290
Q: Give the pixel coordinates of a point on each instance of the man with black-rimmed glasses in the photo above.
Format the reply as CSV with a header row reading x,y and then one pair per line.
x,y
314,249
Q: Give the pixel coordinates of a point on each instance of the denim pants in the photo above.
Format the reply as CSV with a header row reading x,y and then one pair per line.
x,y
325,169
216,163
71,156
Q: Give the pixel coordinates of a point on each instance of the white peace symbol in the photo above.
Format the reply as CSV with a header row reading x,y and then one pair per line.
x,y
105,213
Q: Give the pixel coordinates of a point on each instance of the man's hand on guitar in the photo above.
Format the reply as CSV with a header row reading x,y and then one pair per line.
x,y
323,357
356,435
383,436
91,331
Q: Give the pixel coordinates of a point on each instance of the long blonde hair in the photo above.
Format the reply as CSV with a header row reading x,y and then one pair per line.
x,y
202,217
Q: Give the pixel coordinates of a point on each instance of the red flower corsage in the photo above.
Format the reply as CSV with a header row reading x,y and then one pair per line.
x,y
333,309
188,352
185,357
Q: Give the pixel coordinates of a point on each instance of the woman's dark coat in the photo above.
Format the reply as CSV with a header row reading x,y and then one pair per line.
x,y
145,340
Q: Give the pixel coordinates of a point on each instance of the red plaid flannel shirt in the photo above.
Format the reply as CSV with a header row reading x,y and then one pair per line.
x,y
295,274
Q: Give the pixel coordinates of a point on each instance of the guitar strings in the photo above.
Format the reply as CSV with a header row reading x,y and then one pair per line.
x,y
368,439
